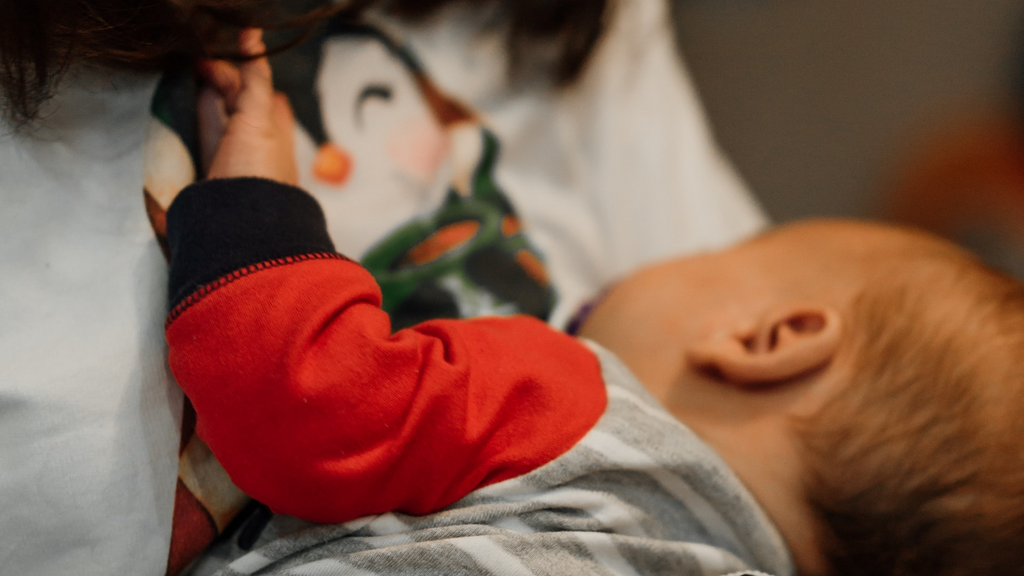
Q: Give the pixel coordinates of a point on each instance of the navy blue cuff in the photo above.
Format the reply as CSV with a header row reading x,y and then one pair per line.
x,y
219,226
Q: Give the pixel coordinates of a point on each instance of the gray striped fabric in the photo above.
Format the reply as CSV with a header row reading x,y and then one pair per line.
x,y
639,495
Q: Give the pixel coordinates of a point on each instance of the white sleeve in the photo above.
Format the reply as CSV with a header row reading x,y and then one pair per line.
x,y
616,172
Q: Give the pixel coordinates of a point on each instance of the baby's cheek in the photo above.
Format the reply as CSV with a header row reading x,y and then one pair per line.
x,y
418,148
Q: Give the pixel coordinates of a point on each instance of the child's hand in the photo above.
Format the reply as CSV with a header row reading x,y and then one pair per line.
x,y
245,128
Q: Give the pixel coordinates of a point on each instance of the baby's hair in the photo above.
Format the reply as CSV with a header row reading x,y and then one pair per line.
x,y
917,466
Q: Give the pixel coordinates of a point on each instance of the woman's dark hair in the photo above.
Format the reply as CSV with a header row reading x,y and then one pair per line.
x,y
568,30
39,39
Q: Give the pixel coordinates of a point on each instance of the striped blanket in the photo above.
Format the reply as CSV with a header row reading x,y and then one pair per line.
x,y
639,495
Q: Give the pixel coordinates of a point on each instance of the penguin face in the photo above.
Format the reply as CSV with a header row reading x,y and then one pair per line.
x,y
442,240
383,120
397,150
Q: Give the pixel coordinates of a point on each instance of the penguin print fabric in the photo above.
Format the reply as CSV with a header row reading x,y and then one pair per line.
x,y
406,177
405,174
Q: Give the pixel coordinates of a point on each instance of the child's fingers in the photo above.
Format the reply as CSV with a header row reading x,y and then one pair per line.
x,y
213,120
250,42
284,121
257,94
284,117
224,77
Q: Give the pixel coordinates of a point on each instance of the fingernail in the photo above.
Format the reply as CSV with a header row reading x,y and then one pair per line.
x,y
251,41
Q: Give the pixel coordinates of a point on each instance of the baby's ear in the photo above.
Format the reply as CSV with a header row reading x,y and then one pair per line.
x,y
788,342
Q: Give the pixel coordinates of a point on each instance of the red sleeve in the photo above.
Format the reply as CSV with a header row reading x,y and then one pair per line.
x,y
316,409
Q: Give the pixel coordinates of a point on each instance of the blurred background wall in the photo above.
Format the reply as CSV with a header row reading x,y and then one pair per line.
x,y
817,102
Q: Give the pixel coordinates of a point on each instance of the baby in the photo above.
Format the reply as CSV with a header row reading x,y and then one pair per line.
x,y
829,398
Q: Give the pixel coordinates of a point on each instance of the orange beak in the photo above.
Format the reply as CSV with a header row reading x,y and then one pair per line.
x,y
333,164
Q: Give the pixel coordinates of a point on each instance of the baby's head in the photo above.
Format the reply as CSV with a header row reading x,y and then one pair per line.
x,y
865,382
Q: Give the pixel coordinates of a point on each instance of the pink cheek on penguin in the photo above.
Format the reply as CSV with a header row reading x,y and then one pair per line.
x,y
418,148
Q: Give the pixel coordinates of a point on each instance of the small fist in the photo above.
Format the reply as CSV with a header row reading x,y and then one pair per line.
x,y
245,128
